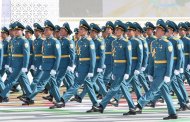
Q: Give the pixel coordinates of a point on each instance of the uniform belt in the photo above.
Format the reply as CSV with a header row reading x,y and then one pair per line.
x,y
50,56
108,52
5,55
65,56
120,61
17,55
134,58
38,55
160,61
175,58
186,54
84,59
97,57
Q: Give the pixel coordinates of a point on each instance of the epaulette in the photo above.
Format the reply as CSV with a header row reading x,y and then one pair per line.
x,y
126,39
187,38
175,38
165,40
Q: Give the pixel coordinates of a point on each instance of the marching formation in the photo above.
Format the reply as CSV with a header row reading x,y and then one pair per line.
x,y
125,58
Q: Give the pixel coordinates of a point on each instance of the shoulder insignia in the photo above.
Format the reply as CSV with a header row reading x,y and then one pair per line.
x,y
170,48
57,46
92,46
165,40
26,45
145,45
89,38
129,47
140,46
126,40
179,46
71,46
102,47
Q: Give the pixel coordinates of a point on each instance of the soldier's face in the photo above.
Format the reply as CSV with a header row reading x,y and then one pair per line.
x,y
63,32
104,34
130,33
118,32
182,32
18,32
4,35
37,33
109,30
159,32
149,31
28,35
170,32
82,31
93,34
48,32
12,33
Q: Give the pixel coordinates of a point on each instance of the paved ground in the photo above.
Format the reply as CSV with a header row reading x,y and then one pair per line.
x,y
39,112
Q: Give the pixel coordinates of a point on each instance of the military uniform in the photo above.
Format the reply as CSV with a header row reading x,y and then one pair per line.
x,y
100,58
84,68
122,59
67,63
19,64
108,54
37,53
161,64
51,55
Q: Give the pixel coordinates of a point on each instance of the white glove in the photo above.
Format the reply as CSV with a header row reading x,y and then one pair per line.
x,y
40,67
52,72
10,70
136,72
143,69
6,66
112,77
71,69
181,70
77,74
90,75
167,79
24,70
104,66
32,67
150,78
99,70
126,76
176,72
188,67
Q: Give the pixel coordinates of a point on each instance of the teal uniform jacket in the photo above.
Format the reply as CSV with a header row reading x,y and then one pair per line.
x,y
31,52
67,52
161,60
1,55
100,52
149,41
186,43
20,53
122,53
51,51
10,45
108,49
37,51
145,51
86,55
5,52
137,53
178,53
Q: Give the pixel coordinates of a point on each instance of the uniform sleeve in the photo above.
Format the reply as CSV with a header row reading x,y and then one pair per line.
x,y
72,52
1,55
140,55
26,53
169,58
151,61
145,54
179,55
102,54
57,53
92,57
129,57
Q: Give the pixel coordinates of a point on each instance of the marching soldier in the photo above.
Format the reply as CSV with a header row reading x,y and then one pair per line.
x,y
37,50
51,55
161,64
84,67
19,63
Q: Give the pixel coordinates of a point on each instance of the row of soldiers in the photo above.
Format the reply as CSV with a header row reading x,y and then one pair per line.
x,y
155,58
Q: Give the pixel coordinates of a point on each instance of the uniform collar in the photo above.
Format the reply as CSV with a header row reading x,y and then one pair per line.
x,y
49,37
120,38
84,37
